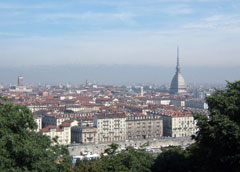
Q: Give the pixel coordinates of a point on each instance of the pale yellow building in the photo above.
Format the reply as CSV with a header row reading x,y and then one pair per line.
x,y
84,135
38,121
179,125
62,133
110,127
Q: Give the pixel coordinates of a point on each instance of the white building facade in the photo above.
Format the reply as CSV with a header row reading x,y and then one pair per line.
x,y
62,133
110,127
38,121
179,125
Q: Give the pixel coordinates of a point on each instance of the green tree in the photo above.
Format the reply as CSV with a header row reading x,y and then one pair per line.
x,y
130,160
22,149
112,148
217,146
170,160
136,160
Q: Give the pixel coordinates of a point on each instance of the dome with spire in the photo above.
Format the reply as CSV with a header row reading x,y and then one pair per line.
x,y
178,85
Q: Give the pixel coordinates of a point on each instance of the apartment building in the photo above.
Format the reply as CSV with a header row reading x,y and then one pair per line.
x,y
38,121
62,133
110,127
144,127
179,125
84,134
196,103
52,119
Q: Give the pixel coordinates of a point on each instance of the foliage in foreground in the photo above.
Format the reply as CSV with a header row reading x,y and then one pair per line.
x,y
22,149
130,160
217,146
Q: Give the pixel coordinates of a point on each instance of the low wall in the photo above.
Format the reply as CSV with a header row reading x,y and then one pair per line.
x,y
153,145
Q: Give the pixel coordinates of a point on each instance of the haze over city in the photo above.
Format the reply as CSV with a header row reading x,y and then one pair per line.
x,y
35,36
120,85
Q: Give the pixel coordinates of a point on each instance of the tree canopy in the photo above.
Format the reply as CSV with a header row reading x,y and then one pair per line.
x,y
22,149
217,146
171,159
129,160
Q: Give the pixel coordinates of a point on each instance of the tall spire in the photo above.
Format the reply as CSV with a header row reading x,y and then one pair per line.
x,y
178,85
178,65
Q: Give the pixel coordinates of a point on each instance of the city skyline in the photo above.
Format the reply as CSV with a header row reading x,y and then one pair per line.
x,y
116,74
120,33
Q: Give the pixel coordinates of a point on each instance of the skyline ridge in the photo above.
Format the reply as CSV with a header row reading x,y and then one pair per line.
x,y
117,74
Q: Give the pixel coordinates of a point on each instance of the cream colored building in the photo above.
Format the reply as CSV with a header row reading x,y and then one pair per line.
x,y
35,108
38,121
84,135
110,127
62,133
75,108
179,125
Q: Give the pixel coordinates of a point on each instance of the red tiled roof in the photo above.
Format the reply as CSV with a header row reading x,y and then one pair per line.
x,y
102,116
36,117
65,124
49,127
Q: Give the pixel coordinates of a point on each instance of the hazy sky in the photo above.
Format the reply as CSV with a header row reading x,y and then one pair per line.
x,y
135,32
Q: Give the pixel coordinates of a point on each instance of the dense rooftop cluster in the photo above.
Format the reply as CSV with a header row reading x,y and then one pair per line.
x,y
108,111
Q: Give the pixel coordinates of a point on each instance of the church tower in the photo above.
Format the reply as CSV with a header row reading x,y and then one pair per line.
x,y
178,85
20,80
